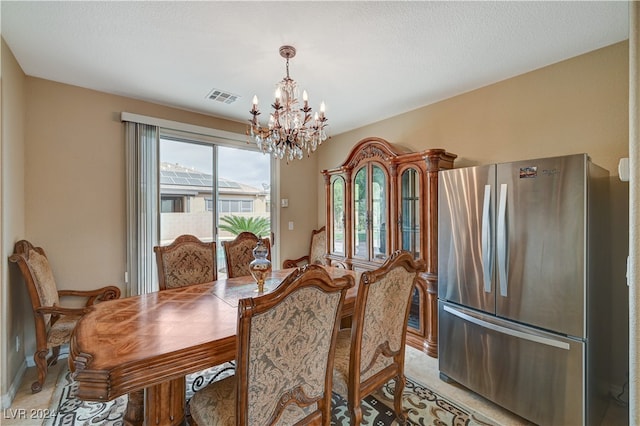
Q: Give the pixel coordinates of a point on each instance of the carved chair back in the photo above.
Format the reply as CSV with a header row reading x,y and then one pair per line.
x,y
53,323
318,247
317,251
286,341
38,277
186,261
372,352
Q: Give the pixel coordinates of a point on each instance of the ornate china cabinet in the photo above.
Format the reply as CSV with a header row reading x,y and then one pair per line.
x,y
385,198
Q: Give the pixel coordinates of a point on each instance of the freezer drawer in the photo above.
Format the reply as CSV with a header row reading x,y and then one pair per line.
x,y
537,375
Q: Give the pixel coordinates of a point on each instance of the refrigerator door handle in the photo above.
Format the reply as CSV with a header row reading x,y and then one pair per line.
x,y
486,239
501,243
508,331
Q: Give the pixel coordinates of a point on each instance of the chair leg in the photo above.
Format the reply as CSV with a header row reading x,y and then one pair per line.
x,y
397,398
53,359
40,358
355,412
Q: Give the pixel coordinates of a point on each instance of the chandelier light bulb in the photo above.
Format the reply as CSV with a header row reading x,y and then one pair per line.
x,y
290,131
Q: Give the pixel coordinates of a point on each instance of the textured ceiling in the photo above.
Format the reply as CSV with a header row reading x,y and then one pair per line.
x,y
366,60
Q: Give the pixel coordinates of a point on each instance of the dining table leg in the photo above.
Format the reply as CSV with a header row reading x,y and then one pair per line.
x,y
165,403
134,415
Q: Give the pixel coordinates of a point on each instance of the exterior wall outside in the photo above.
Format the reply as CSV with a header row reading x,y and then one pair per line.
x,y
199,223
198,220
194,214
172,225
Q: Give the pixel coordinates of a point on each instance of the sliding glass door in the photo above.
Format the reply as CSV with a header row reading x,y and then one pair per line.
x,y
186,190
212,191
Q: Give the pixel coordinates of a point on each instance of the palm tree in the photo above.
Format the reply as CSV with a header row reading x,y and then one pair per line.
x,y
260,226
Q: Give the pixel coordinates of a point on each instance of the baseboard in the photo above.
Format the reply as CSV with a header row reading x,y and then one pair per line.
x,y
620,394
28,362
7,398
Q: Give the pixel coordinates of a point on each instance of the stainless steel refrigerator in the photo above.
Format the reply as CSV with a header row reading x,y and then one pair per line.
x,y
523,286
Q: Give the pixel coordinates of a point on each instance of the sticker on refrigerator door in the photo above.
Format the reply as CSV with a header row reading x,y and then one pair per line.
x,y
528,172
550,172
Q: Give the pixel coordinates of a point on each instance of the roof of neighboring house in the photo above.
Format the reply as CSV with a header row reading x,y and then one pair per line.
x,y
181,177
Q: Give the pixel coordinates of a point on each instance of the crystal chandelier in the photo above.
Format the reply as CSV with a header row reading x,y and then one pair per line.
x,y
291,130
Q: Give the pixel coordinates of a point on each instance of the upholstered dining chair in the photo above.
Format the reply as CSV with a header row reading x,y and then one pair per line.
x,y
317,250
284,356
372,352
186,261
54,323
238,253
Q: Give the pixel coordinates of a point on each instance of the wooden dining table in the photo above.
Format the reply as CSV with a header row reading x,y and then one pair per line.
x,y
152,341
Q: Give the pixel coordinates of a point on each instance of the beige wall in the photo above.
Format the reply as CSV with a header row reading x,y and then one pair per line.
x,y
298,185
75,177
13,299
578,105
77,137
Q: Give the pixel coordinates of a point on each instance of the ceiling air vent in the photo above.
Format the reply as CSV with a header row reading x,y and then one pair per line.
x,y
221,96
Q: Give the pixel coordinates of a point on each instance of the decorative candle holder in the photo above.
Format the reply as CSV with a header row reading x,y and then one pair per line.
x,y
260,266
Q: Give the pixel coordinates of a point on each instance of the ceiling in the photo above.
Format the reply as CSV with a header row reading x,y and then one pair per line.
x,y
366,60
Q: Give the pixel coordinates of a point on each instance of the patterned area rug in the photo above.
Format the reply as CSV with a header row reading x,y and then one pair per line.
x,y
423,406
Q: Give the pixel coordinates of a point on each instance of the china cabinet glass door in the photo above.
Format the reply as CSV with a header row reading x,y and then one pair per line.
x,y
337,196
416,311
360,214
379,212
370,213
410,212
410,235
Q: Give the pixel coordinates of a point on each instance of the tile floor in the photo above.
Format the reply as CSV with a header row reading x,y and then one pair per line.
x,y
424,369
418,366
28,409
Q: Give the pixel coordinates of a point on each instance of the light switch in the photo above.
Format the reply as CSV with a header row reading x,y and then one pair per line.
x,y
290,226
284,202
623,169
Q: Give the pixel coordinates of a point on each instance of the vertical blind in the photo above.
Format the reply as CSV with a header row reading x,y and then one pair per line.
x,y
141,159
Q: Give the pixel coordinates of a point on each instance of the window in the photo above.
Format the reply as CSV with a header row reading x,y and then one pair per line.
x,y
169,204
235,206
